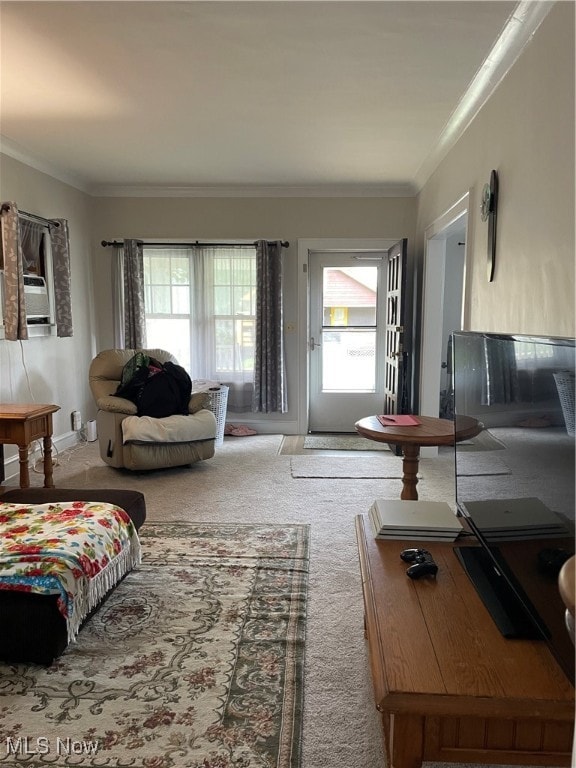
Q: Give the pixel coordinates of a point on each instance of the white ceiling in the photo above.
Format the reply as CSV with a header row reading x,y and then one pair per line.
x,y
330,97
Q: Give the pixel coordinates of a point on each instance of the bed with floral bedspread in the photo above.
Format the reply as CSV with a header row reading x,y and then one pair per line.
x,y
77,550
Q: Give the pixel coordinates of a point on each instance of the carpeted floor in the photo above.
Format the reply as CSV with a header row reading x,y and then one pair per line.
x,y
485,441
249,481
470,464
200,647
386,466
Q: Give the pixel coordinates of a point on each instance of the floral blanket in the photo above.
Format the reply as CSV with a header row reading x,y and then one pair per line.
x,y
77,550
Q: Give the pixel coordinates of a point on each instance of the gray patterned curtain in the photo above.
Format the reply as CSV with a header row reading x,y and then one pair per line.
x,y
14,307
61,269
118,297
134,310
31,236
269,370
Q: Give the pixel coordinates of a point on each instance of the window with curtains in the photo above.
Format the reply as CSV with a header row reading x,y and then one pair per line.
x,y
200,305
35,292
36,272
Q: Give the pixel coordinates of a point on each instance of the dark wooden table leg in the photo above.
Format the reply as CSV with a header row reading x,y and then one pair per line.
x,y
23,459
48,481
410,469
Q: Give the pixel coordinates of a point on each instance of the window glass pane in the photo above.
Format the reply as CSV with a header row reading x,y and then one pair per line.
x,y
243,271
160,270
245,347
181,300
349,296
231,287
180,270
222,304
243,301
160,300
348,361
224,332
170,334
221,271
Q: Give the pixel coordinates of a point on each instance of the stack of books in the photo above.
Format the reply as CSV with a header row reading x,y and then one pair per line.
x,y
421,520
515,519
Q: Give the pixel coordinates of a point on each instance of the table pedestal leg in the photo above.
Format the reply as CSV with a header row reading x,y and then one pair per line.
x,y
23,459
48,482
410,469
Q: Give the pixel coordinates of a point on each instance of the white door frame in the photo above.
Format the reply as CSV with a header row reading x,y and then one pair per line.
x,y
433,301
304,248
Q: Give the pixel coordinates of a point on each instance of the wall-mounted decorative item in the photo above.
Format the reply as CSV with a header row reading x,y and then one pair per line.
x,y
489,210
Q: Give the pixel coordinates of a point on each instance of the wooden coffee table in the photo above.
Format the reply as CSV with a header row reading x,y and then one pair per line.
x,y
430,431
20,424
449,687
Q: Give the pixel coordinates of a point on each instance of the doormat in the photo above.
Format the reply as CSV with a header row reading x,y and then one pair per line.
x,y
195,659
345,468
342,443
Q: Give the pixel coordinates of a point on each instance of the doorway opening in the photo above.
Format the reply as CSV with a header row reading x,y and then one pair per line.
x,y
444,304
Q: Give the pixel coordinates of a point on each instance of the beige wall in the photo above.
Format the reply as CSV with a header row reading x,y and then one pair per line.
x,y
525,132
241,218
50,369
246,219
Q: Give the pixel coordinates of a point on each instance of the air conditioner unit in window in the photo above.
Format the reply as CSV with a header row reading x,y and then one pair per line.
x,y
36,299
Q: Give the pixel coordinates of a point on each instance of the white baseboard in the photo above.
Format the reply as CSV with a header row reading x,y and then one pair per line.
x,y
264,427
59,443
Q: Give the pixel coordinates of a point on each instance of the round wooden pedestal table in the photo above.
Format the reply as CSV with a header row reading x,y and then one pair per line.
x,y
430,432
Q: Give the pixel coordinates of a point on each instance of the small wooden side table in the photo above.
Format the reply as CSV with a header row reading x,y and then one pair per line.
x,y
430,431
20,424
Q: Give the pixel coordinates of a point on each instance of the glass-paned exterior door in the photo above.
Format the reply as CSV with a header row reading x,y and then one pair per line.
x,y
346,342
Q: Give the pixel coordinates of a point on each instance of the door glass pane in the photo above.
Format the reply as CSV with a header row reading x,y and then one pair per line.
x,y
349,296
348,361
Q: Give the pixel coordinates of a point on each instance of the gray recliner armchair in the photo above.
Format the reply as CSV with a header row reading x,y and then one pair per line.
x,y
135,442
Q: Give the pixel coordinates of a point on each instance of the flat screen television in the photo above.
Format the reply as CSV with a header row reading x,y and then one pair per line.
x,y
515,481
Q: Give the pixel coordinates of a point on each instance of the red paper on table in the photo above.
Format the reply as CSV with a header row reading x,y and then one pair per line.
x,y
398,420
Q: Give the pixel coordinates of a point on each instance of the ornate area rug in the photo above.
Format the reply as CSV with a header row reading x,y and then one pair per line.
x,y
194,661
